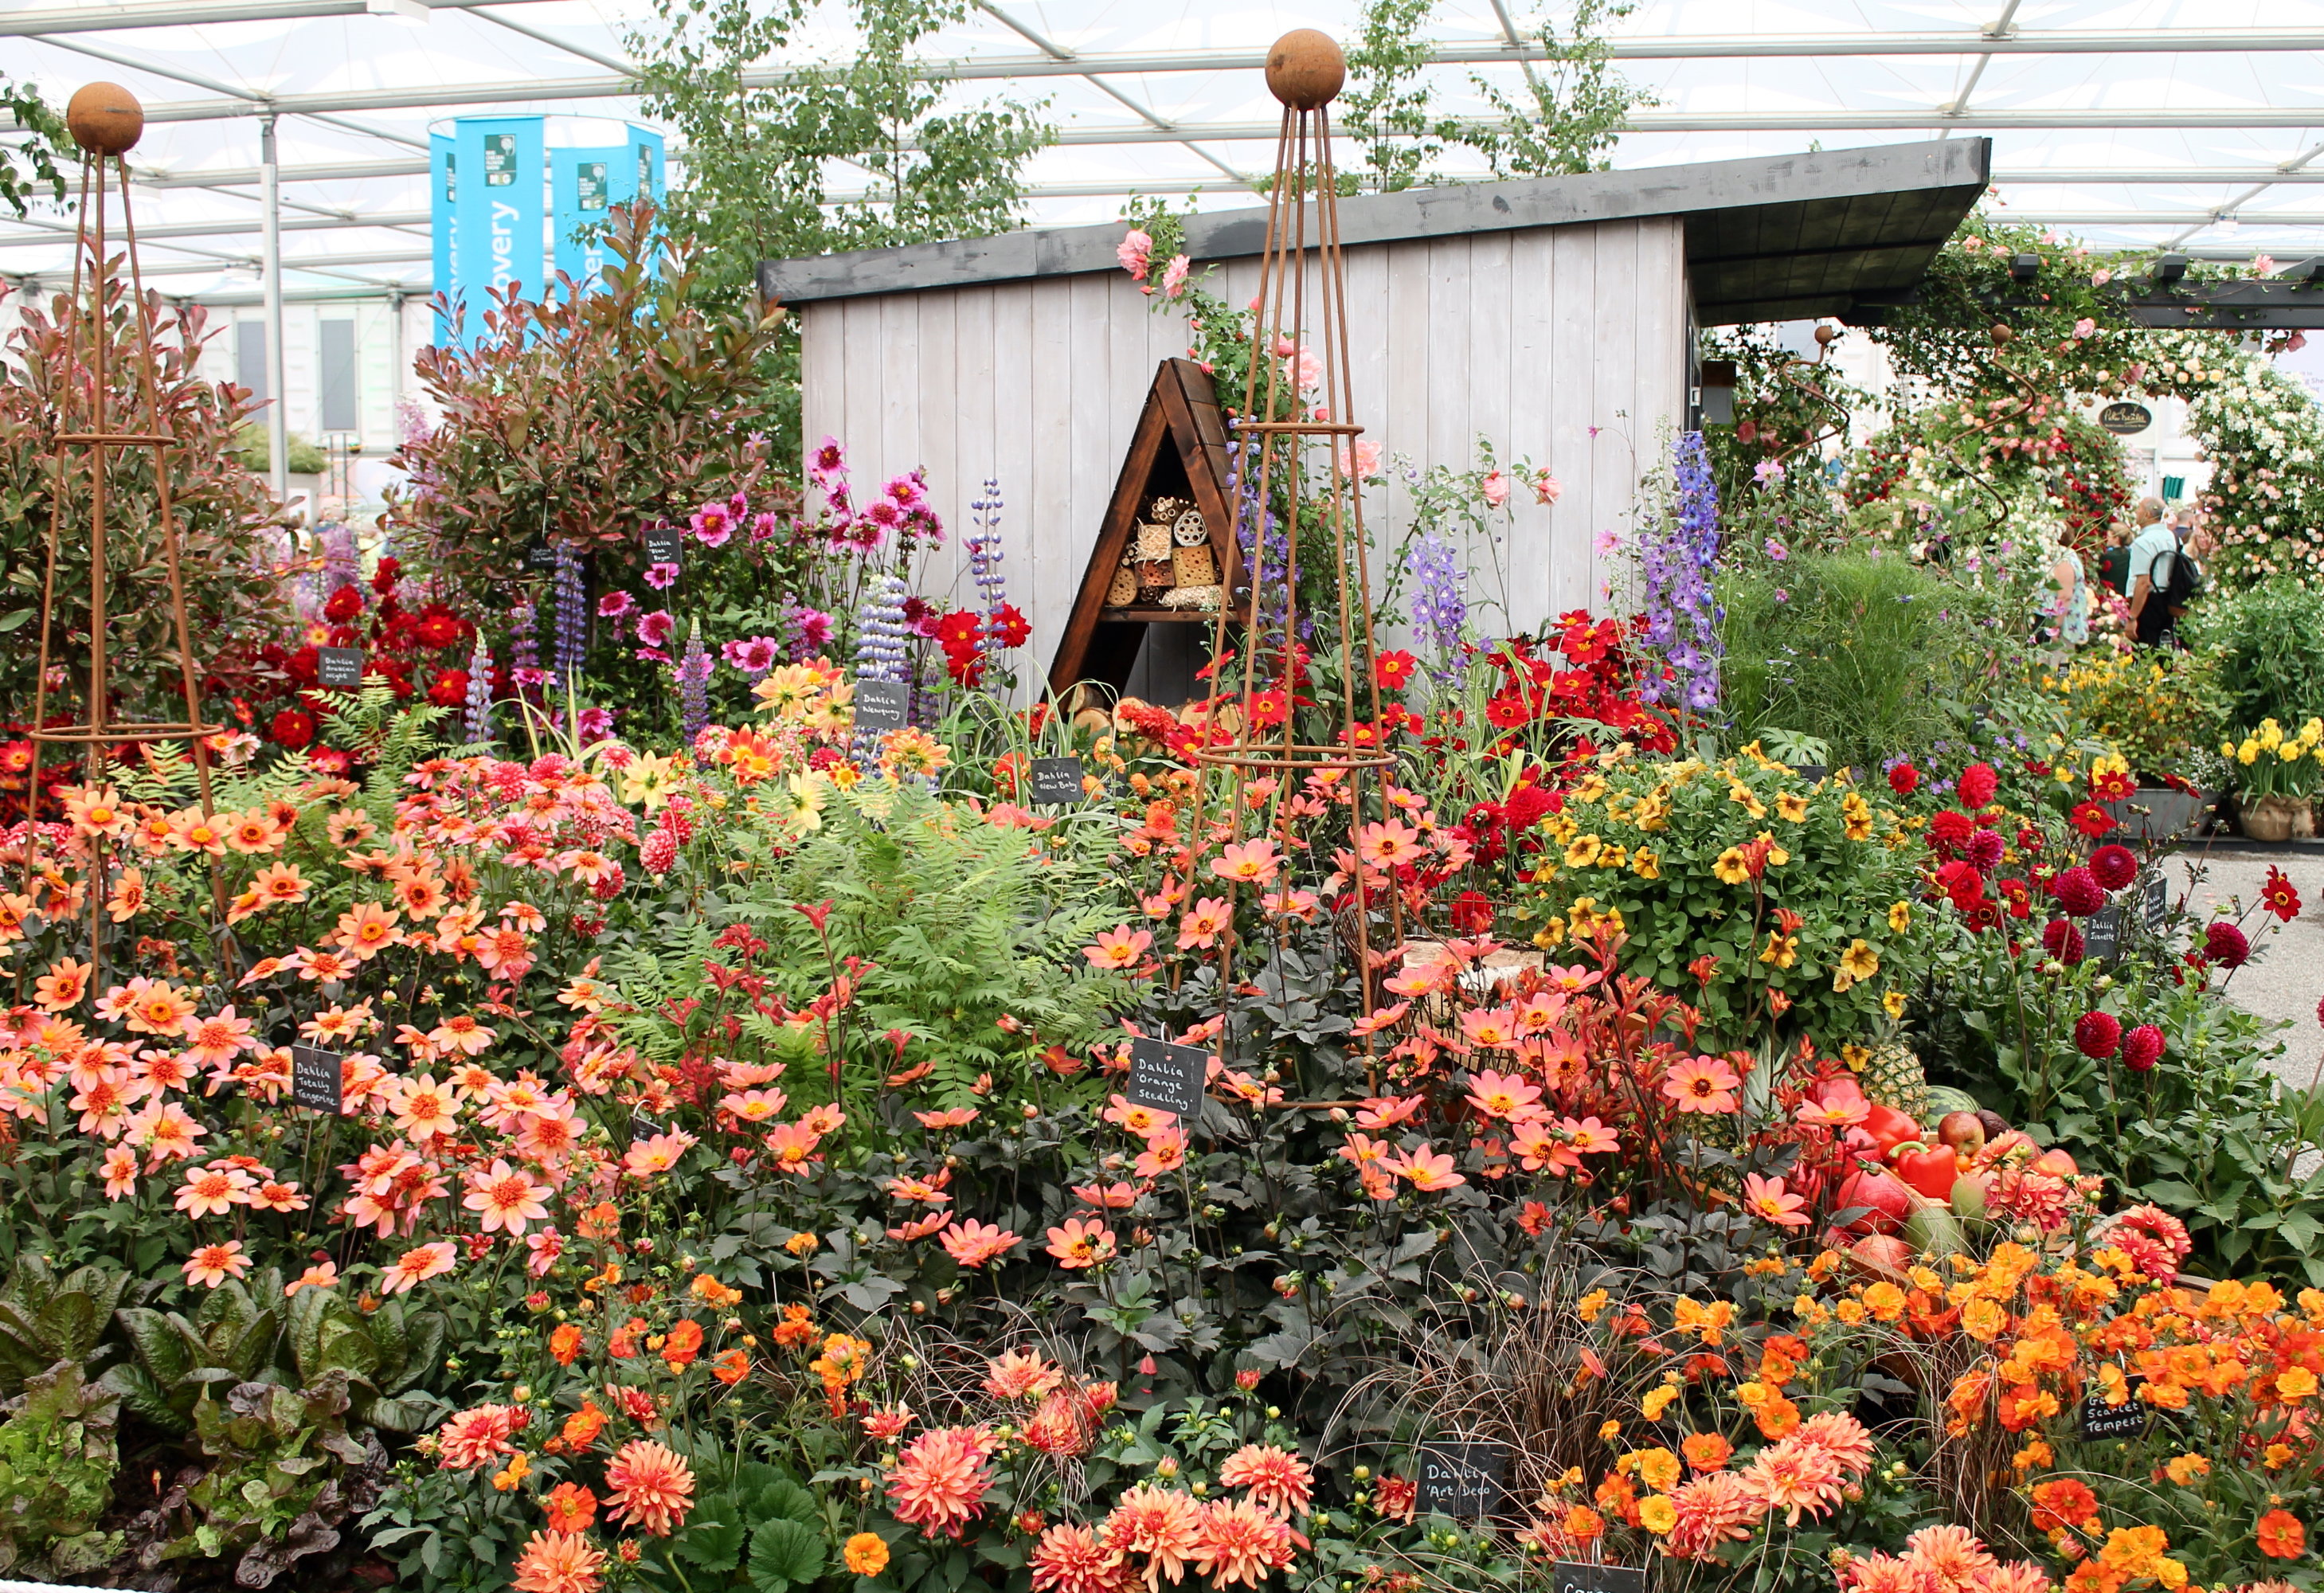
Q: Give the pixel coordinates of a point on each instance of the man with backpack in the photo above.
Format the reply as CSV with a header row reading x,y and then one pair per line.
x,y
2162,581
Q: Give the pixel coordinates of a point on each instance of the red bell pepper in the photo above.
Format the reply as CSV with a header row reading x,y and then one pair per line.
x,y
1929,1172
1889,1127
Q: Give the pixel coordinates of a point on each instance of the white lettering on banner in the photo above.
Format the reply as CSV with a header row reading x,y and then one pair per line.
x,y
503,243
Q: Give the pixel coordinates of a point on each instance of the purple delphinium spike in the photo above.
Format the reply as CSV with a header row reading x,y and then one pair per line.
x,y
572,615
479,728
694,683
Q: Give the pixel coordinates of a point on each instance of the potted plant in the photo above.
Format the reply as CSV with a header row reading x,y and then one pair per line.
x,y
2275,777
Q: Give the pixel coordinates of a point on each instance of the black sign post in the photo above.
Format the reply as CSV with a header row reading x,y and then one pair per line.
x,y
1571,1576
666,546
1057,780
642,1128
318,1080
1166,1078
881,706
2126,418
1462,1479
541,555
339,666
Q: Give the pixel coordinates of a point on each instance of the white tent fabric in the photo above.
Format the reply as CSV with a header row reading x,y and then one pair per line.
x,y
2144,122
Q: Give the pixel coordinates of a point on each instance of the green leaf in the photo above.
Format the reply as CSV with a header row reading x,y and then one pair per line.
x,y
784,1552
715,1545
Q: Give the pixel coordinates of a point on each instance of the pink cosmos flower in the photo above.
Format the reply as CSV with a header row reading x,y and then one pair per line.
x,y
654,628
713,524
613,605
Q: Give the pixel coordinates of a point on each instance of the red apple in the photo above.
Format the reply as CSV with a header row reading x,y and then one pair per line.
x,y
1961,1131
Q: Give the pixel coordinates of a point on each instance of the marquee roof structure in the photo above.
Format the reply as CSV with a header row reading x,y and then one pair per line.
x,y
2149,123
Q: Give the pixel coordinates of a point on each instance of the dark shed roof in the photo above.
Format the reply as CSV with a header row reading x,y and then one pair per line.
x,y
1766,238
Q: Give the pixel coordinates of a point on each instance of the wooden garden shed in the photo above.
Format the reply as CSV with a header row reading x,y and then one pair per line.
x,y
1554,317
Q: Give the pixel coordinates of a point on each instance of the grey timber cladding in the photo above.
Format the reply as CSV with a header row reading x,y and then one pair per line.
x,y
1564,345
1795,229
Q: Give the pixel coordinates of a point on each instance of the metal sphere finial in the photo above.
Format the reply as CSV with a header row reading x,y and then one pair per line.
x,y
105,119
1305,68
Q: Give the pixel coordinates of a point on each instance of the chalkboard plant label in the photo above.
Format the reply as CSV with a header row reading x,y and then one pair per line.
x,y
2130,1419
540,554
318,1079
1574,1576
2102,934
881,706
666,546
1462,1479
1166,1078
1057,780
643,1127
339,666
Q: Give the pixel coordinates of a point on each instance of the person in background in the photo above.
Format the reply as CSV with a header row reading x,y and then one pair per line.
x,y
2067,614
2153,565
2113,563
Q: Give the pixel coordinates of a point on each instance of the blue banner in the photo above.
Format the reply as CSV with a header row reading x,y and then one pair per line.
x,y
501,211
584,185
443,219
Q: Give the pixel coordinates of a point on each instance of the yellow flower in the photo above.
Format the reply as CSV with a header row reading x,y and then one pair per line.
x,y
866,1554
1589,789
1645,864
1900,917
1855,1056
1588,1307
1607,1431
2298,1383
1657,1515
647,779
1791,805
1583,851
1656,1402
1613,857
1893,1003
1730,868
1781,951
1860,960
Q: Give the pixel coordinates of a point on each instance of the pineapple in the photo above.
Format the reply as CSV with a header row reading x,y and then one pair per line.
x,y
1892,1077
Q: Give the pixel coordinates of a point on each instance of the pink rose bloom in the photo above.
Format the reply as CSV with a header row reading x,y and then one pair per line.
x,y
2101,278
1497,489
1134,251
1174,277
1547,488
2085,327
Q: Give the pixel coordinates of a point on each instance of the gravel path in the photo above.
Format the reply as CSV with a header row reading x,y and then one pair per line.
x,y
2287,981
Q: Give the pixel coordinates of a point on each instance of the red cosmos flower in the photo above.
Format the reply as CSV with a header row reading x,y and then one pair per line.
x,y
449,689
1267,708
2113,785
1509,712
2278,896
2092,820
438,628
1009,628
293,728
958,629
1395,670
